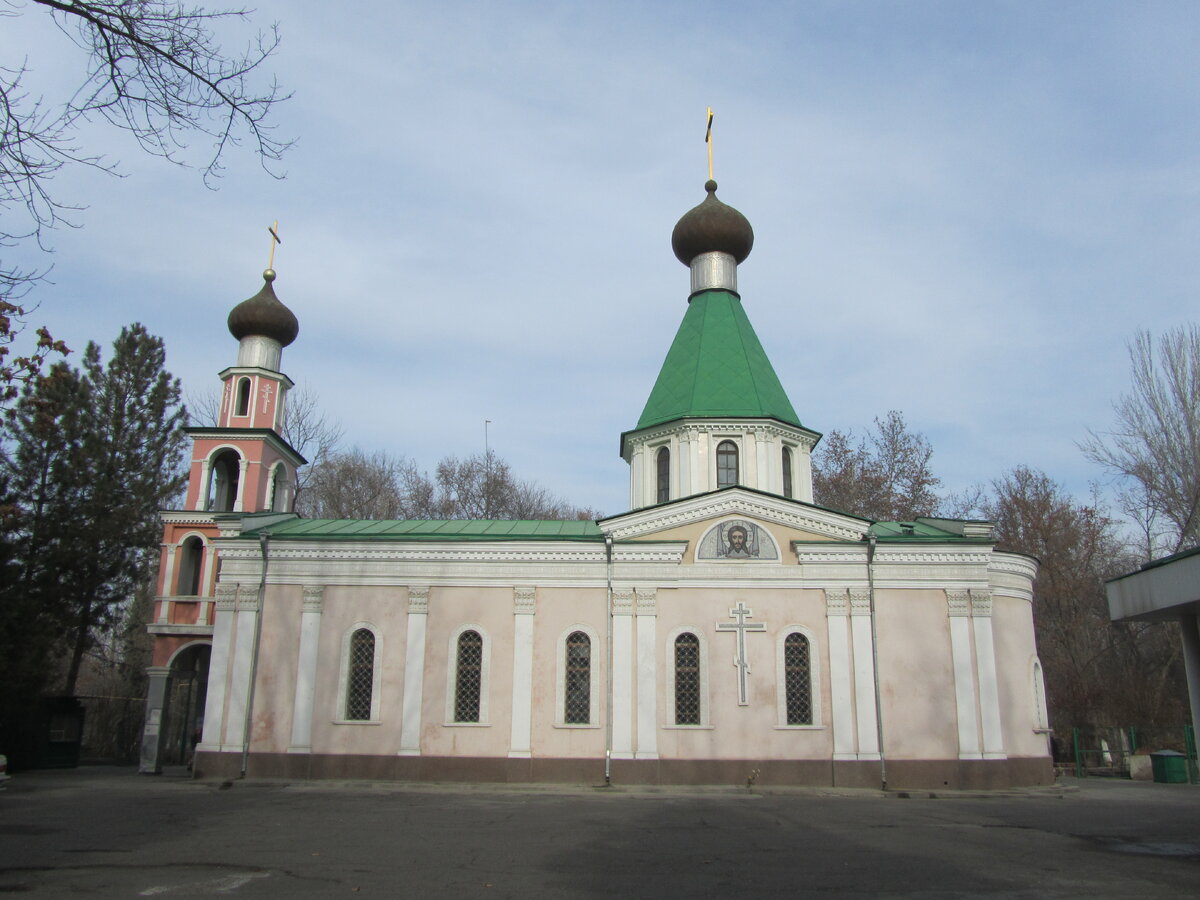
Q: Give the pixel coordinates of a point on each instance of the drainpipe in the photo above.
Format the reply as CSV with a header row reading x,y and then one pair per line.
x,y
875,662
264,540
608,723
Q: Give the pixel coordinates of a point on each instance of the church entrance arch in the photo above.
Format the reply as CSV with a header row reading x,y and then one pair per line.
x,y
183,713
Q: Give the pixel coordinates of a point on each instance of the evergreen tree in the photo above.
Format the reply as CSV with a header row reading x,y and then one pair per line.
x,y
92,456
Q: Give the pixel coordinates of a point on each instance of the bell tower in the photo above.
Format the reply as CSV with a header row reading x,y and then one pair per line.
x,y
244,464
241,465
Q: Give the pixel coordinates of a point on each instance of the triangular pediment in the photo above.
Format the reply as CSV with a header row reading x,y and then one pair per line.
x,y
793,519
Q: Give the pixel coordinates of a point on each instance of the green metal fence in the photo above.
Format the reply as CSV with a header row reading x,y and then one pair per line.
x,y
1108,750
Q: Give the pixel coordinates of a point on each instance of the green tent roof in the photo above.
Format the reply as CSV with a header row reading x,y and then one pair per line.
x,y
716,368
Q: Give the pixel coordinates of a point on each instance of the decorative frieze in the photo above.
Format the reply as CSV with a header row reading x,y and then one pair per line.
x,y
524,601
248,602
314,598
418,600
623,602
959,602
860,603
647,601
227,597
837,603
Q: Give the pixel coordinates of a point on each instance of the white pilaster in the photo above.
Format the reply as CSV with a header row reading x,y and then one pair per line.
x,y
622,674
414,671
647,674
306,670
218,667
635,478
864,674
202,494
985,664
169,577
837,610
243,467
239,679
682,480
522,687
959,604
761,477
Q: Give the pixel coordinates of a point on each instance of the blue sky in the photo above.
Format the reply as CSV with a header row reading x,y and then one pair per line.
x,y
962,211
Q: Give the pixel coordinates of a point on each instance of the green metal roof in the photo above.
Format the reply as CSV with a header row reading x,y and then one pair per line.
x,y
716,368
431,530
918,531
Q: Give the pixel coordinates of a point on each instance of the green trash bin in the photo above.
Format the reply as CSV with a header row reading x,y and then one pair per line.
x,y
1169,766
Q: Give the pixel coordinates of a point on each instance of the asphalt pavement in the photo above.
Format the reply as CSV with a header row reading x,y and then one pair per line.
x,y
109,832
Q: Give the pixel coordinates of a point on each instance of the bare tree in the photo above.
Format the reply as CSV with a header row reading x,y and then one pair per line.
x,y
1155,444
1097,672
354,484
154,69
360,485
883,475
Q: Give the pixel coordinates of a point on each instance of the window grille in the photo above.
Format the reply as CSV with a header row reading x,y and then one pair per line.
x,y
787,472
578,695
687,680
664,474
360,680
727,464
468,679
797,679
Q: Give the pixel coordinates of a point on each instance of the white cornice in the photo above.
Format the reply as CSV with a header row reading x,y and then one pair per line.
x,y
736,501
804,437
187,517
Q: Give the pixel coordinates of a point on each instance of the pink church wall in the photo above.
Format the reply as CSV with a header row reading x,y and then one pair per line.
x,y
916,675
1014,638
449,609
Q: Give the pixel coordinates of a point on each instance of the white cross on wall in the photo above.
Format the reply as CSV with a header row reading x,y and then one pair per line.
x,y
741,612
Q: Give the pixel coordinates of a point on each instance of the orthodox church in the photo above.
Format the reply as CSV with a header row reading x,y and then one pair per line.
x,y
724,630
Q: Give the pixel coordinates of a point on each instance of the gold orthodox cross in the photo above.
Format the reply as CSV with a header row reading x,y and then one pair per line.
x,y
274,230
708,141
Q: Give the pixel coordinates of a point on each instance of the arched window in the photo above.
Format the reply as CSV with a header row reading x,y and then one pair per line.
x,y
577,696
687,679
468,680
727,464
360,675
663,460
1041,720
787,472
225,471
797,679
279,485
242,408
191,555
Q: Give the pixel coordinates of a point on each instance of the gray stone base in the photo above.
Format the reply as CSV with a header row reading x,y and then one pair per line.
x,y
901,774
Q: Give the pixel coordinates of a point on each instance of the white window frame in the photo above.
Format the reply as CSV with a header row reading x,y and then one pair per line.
x,y
560,680
740,479
814,678
1041,711
485,670
339,713
669,706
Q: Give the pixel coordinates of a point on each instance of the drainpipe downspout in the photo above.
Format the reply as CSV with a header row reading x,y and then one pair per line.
x,y
264,541
608,722
875,662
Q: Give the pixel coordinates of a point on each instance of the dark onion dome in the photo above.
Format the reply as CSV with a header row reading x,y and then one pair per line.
x,y
712,227
264,316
